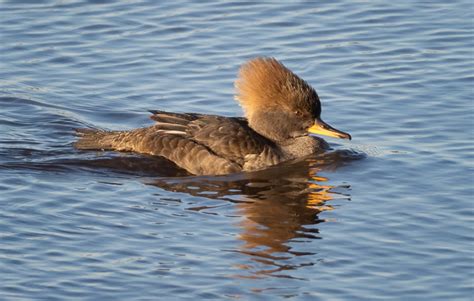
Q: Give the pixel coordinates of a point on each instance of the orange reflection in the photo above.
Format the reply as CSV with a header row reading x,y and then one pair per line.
x,y
279,210
274,220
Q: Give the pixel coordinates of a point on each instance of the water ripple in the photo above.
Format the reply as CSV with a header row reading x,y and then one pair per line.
x,y
384,216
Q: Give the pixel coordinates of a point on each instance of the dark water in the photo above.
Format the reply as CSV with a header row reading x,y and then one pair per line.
x,y
388,216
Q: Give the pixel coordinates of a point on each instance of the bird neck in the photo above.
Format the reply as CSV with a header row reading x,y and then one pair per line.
x,y
302,146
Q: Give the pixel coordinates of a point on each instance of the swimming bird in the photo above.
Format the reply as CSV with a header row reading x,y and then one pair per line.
x,y
281,110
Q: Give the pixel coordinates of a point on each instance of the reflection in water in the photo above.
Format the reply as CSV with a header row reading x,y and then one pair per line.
x,y
279,206
280,216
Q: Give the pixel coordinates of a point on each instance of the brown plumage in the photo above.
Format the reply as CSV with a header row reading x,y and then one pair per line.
x,y
281,110
265,83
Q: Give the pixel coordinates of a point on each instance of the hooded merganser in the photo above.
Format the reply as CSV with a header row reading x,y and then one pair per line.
x,y
281,111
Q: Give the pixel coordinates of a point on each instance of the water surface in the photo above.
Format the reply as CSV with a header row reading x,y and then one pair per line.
x,y
386,216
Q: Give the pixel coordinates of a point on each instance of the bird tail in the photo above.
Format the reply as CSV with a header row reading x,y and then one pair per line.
x,y
90,139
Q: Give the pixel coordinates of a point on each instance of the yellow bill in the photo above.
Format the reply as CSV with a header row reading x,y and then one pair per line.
x,y
321,128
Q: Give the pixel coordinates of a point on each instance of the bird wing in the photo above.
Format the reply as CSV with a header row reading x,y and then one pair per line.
x,y
228,137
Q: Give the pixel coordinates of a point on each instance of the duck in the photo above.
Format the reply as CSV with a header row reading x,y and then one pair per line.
x,y
282,116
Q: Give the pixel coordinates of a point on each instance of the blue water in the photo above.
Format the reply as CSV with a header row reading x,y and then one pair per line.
x,y
388,216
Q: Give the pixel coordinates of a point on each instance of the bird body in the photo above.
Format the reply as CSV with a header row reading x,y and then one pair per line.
x,y
280,115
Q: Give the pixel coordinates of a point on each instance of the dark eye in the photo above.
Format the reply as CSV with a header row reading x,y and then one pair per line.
x,y
298,113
